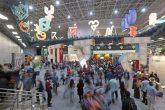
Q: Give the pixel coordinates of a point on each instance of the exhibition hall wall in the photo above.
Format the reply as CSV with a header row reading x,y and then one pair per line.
x,y
6,48
157,65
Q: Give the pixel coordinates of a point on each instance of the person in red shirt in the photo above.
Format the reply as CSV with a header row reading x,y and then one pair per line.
x,y
48,90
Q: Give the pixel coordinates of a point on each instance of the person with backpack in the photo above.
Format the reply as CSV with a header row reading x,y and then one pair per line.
x,y
128,103
40,88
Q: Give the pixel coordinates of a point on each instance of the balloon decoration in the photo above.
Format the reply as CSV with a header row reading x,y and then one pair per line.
x,y
106,56
129,19
23,26
133,31
53,35
109,31
152,18
44,23
94,24
62,46
131,16
73,31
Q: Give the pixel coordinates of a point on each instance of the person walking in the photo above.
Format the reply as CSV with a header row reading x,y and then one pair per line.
x,y
71,89
114,87
108,96
55,83
128,103
126,78
80,90
144,85
151,94
48,90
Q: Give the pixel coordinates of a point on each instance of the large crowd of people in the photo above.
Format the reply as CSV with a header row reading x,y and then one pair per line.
x,y
100,84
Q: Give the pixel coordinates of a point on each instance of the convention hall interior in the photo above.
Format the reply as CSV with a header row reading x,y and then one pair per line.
x,y
82,54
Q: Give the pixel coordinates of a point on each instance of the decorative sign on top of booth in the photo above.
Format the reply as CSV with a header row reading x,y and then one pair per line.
x,y
130,40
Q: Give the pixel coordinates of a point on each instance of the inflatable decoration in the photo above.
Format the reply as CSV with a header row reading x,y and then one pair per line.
x,y
133,31
152,18
41,36
109,31
131,16
24,26
20,11
73,31
44,24
53,35
94,24
49,12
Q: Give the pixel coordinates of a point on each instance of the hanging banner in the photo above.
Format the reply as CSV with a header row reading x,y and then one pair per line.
x,y
152,18
61,54
73,31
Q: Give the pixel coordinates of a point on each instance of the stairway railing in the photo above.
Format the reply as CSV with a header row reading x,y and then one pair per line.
x,y
12,99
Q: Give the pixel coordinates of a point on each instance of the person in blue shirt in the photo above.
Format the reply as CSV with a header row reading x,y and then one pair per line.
x,y
151,95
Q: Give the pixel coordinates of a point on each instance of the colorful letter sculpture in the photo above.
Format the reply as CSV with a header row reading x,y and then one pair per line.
x,y
49,12
20,11
44,23
94,24
73,31
133,31
41,36
53,35
109,31
24,26
152,18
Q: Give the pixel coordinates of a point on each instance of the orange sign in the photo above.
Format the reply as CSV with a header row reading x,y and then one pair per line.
x,y
133,31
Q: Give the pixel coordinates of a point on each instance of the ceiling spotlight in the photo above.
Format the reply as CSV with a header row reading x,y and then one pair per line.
x,y
57,2
14,32
59,26
143,10
75,24
18,37
111,22
30,7
68,17
31,22
31,30
37,46
10,26
91,13
3,17
116,12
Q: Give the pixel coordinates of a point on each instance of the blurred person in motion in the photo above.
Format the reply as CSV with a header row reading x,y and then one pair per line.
x,y
71,89
151,95
48,90
80,90
55,80
114,87
144,85
108,96
126,78
128,103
